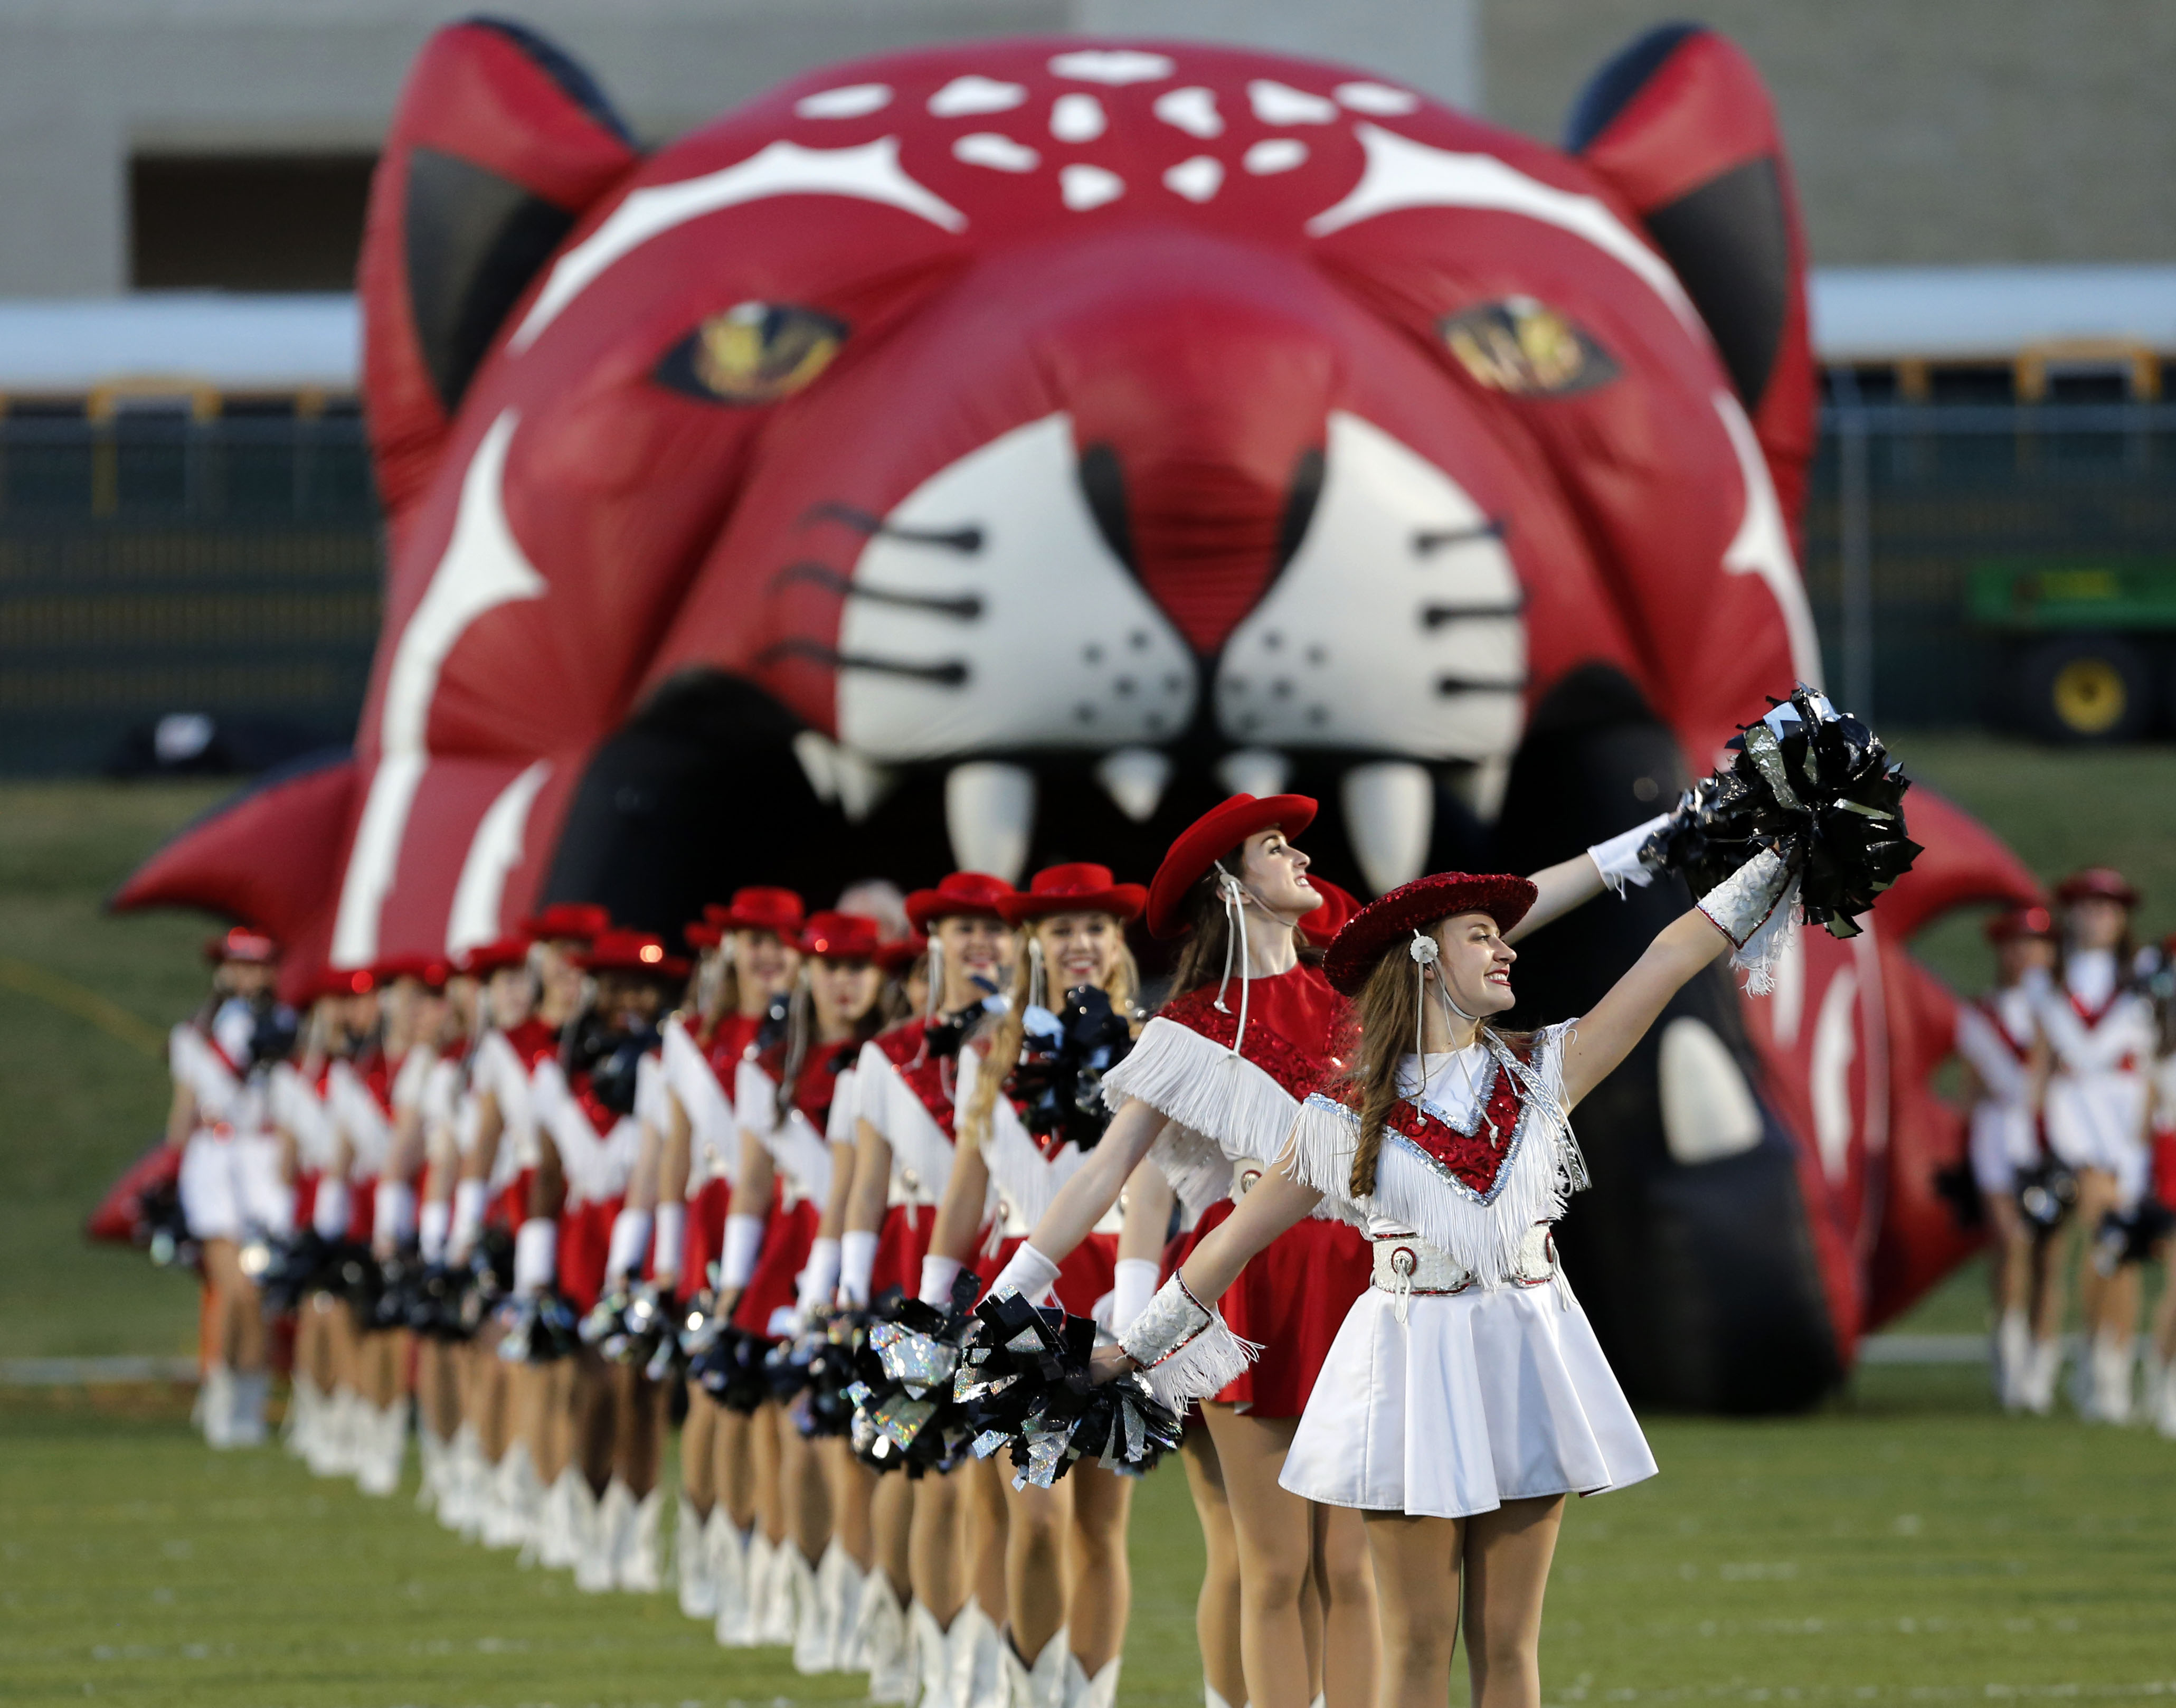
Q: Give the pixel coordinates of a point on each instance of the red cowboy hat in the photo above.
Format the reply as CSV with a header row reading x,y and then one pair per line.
x,y
1208,840
2097,883
240,942
340,981
428,969
1394,916
1081,887
759,907
630,951
699,935
896,956
838,936
1338,906
568,921
482,959
974,893
2014,923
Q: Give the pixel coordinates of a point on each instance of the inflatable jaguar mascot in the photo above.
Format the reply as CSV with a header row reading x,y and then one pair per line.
x,y
995,454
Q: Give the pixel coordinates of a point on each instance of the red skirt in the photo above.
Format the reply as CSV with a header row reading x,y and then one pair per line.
x,y
510,1209
2164,1166
305,1200
584,1245
1083,1278
361,1209
1292,1299
775,1286
902,1242
705,1239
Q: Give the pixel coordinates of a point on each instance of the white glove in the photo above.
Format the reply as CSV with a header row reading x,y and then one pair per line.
x,y
937,1275
1132,1286
1618,859
819,1279
671,1245
471,1198
392,1214
1756,908
331,1212
1030,1274
858,1262
535,1254
744,1245
630,1238
434,1221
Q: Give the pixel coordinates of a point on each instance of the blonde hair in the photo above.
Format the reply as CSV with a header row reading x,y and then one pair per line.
x,y
1004,1037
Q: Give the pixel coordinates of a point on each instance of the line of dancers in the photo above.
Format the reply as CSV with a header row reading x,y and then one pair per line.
x,y
539,1197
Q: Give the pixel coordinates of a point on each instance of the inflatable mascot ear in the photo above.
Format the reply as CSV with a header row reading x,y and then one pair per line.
x,y
1681,125
499,144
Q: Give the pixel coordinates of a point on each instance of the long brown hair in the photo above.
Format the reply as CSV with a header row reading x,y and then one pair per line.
x,y
1382,1013
1201,959
800,1038
1121,984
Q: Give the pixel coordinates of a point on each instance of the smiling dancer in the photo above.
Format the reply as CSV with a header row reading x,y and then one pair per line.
x,y
1210,1091
1465,1395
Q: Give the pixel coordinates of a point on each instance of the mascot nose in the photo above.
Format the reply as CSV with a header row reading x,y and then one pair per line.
x,y
1200,432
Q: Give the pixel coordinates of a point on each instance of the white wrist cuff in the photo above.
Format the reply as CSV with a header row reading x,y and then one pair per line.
x,y
1618,858
671,1244
434,1221
1134,1284
744,1245
1030,1274
393,1214
333,1211
937,1275
630,1238
535,1254
819,1279
471,1198
858,1262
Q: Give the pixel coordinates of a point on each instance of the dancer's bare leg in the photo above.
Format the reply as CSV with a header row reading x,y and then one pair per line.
x,y
1037,1520
1100,1581
891,1527
936,1557
1492,1569
805,1491
988,1532
1276,1534
698,1469
1346,1578
734,1478
853,1495
1217,1610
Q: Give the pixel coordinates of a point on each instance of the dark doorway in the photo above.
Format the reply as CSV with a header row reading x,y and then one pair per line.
x,y
247,222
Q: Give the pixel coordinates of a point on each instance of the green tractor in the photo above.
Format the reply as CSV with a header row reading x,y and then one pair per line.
x,y
2091,658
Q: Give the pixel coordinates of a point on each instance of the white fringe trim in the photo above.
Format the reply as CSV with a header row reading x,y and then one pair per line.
x,y
918,1143
1201,1085
1027,1179
1199,1173
1203,1366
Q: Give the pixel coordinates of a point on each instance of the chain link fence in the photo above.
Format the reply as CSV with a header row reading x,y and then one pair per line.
x,y
222,567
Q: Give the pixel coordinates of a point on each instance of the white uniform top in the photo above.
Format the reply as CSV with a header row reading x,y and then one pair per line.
x,y
358,1119
596,1165
2101,1039
921,1150
713,1148
501,1072
1997,1038
1024,1179
446,1107
803,1154
294,1106
215,1067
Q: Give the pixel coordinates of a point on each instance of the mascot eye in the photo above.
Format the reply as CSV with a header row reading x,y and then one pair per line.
x,y
1527,349
754,353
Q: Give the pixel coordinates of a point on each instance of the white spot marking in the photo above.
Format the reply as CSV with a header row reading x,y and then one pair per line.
x,y
1077,118
1762,545
483,566
1192,109
870,172
494,852
1001,154
1389,817
850,101
1277,154
972,95
1708,1111
1280,103
1115,66
1401,173
989,817
372,862
1197,179
1085,187
1376,98
1836,1043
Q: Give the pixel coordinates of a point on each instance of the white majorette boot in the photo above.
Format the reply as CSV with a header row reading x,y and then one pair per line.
x,y
600,1546
384,1448
811,1638
567,1503
461,1504
304,1402
2114,1360
514,1505
838,1588
933,1658
245,1418
215,1407
2164,1408
978,1659
2013,1350
322,1452
1042,1683
1101,1691
431,1454
732,1570
2044,1374
774,1597
1213,1698
691,1563
885,1641
636,1566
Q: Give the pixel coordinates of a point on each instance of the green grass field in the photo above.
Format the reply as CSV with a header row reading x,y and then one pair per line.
x,y
1906,1544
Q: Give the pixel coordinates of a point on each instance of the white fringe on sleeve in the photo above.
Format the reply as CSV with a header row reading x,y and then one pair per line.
x,y
1202,1085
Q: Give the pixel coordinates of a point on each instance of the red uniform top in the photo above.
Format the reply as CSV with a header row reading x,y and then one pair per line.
x,y
1297,1027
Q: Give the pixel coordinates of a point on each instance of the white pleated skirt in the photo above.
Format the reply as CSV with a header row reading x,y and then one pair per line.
x,y
1478,1398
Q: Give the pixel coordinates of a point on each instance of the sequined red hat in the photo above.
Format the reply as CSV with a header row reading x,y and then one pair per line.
x,y
759,907
838,936
2097,883
1080,887
1206,840
1394,916
341,982
2015,922
482,959
568,921
976,895
901,953
630,951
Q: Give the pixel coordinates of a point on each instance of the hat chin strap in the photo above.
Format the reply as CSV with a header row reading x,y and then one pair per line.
x,y
1426,953
1235,895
